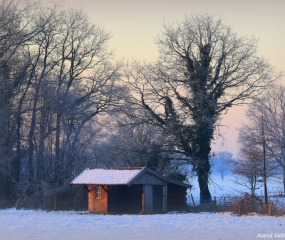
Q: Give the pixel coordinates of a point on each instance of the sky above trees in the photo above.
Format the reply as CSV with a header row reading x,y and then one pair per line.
x,y
134,26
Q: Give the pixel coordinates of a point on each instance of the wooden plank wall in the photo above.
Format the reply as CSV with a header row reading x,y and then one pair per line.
x,y
148,179
97,205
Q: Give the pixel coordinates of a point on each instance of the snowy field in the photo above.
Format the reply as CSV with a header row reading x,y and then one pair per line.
x,y
227,187
41,225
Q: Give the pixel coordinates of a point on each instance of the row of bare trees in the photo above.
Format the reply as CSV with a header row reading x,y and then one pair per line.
x,y
59,87
56,79
262,141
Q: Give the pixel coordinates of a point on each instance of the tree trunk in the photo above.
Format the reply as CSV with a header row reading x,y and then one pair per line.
x,y
202,151
205,195
264,161
284,181
31,137
57,166
3,157
203,172
41,147
4,113
16,162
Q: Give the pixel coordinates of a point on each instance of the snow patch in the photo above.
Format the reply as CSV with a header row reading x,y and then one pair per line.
x,y
34,225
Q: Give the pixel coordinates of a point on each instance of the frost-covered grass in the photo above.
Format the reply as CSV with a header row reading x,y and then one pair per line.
x,y
31,224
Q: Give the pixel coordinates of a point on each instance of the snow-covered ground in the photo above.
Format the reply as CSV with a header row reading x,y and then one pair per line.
x,y
41,225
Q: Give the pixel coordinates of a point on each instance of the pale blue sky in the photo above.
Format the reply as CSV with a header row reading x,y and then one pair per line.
x,y
135,23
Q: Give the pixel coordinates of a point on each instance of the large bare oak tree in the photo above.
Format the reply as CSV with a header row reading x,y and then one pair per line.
x,y
203,69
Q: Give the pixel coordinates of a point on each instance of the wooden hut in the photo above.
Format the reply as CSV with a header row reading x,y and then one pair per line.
x,y
131,190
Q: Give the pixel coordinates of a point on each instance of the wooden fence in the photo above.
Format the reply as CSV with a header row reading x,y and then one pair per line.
x,y
4,204
54,203
242,206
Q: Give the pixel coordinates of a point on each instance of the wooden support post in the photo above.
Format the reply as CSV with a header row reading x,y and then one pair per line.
x,y
142,211
165,198
148,199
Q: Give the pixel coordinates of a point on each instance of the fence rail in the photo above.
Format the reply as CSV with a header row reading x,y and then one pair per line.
x,y
54,204
236,205
7,204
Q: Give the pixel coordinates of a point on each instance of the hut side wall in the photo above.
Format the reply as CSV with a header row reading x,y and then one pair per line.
x,y
97,205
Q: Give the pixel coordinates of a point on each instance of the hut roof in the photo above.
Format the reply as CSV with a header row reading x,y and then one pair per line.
x,y
117,176
107,176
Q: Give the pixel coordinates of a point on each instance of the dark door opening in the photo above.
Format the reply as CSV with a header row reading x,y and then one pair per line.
x,y
124,199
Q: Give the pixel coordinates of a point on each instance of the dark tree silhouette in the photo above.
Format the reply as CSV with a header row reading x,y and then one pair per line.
x,y
203,69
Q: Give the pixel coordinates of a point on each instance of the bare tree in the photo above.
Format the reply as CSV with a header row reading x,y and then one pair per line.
x,y
221,162
16,29
137,145
73,81
255,144
274,109
203,69
247,169
57,69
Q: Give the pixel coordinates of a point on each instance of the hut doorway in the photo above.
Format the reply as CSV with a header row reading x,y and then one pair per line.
x,y
124,199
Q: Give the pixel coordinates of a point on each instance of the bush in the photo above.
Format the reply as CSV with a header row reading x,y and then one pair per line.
x,y
244,205
64,198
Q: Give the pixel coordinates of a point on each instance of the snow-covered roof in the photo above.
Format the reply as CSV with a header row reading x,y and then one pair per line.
x,y
118,176
107,176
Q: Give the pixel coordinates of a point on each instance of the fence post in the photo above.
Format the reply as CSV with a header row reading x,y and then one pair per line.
x,y
240,208
54,204
17,204
75,204
270,208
